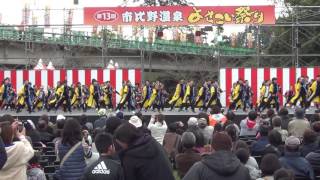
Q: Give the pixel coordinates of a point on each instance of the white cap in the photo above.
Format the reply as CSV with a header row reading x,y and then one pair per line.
x,y
136,121
193,121
102,112
31,124
60,117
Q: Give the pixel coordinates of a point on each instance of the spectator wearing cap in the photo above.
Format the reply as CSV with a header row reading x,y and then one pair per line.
x,y
158,127
269,164
299,124
142,156
292,159
137,122
101,122
258,147
194,128
206,130
276,122
185,160
18,152
249,126
309,143
285,119
222,164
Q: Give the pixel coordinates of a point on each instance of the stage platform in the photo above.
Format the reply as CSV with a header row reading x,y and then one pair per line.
x,y
170,116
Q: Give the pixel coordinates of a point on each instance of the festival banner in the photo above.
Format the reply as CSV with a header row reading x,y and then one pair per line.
x,y
179,15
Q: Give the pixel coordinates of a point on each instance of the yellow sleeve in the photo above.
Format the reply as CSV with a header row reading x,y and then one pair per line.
x,y
144,92
178,90
297,88
200,91
38,93
125,90
154,91
212,91
271,88
121,92
2,89
60,90
21,92
313,88
262,90
188,90
91,90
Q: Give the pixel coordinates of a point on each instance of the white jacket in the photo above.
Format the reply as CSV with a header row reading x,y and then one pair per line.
x,y
158,130
19,155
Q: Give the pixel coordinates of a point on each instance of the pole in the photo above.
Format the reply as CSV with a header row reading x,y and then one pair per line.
x,y
297,39
142,64
104,47
258,48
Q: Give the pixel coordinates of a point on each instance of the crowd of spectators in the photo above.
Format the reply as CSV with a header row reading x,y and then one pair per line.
x,y
270,146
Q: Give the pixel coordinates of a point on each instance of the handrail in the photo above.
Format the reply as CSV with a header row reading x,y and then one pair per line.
x,y
37,35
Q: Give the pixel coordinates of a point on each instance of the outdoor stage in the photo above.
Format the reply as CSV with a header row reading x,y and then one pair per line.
x,y
170,116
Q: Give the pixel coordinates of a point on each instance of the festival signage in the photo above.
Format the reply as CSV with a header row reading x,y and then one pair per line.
x,y
179,15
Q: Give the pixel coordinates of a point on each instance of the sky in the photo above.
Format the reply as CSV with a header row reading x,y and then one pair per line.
x,y
11,10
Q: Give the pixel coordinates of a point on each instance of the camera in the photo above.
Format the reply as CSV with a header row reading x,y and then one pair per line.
x,y
22,123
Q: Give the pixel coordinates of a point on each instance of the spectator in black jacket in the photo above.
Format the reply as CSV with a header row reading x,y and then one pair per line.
x,y
142,157
106,168
292,159
222,164
3,154
45,136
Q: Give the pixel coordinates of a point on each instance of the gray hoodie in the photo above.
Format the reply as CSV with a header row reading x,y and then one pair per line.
x,y
222,165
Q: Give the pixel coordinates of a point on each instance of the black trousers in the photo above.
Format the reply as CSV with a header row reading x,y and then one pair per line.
x,y
60,102
234,103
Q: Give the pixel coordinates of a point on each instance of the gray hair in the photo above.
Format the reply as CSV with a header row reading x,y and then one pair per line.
x,y
188,140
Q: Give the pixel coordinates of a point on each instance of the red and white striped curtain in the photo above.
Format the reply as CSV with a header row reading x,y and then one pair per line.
x,y
50,78
286,77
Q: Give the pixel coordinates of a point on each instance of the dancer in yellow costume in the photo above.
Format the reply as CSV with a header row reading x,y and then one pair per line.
x,y
236,96
189,97
178,95
315,93
146,94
